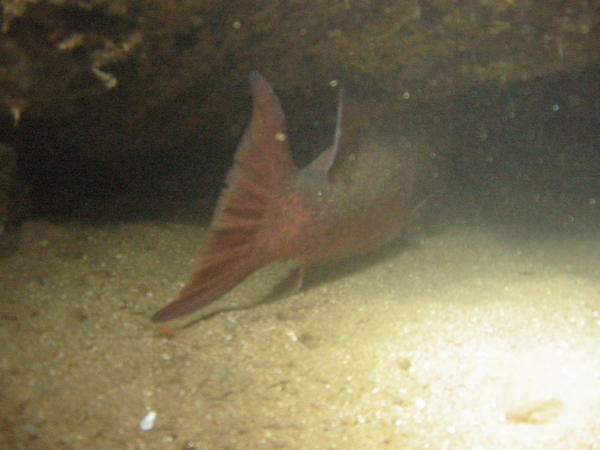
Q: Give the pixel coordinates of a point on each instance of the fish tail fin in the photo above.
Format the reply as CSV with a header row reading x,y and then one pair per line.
x,y
213,279
262,166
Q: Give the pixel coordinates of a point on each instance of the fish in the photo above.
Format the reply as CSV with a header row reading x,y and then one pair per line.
x,y
355,197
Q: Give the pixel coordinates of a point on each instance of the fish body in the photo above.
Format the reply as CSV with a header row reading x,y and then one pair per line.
x,y
355,197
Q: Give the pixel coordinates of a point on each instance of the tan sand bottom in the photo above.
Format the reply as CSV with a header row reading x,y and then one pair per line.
x,y
474,339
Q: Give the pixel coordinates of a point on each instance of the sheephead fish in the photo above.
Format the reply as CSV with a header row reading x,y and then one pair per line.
x,y
354,197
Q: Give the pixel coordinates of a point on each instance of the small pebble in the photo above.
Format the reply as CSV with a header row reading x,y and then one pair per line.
x,y
536,413
147,422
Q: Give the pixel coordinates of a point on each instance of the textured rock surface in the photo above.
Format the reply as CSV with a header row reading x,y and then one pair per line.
x,y
102,88
141,75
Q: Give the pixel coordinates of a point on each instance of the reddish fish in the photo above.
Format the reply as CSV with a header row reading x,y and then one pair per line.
x,y
355,197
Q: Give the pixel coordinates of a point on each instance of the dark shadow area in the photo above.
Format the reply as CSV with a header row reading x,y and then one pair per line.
x,y
526,156
315,277
180,185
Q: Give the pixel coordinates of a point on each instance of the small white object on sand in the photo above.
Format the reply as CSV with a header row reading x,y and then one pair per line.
x,y
147,422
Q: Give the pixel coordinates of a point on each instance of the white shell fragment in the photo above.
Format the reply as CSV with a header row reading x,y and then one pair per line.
x,y
147,422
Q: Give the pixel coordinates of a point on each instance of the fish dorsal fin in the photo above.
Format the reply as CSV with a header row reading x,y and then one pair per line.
x,y
323,163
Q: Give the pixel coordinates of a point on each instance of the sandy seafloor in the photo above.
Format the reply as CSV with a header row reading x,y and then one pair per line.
x,y
479,337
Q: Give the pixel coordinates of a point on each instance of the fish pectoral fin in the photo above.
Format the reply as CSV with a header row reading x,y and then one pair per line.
x,y
290,285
